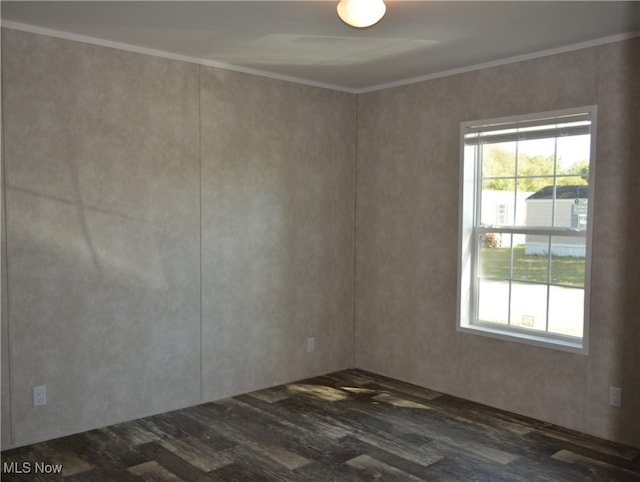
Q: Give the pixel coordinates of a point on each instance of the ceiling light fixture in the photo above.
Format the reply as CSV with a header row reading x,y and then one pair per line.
x,y
361,13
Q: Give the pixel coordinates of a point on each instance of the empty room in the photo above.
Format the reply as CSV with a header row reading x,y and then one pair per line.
x,y
320,240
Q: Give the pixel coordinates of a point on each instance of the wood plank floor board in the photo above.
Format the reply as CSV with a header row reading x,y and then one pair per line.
x,y
303,438
250,426
404,462
331,472
589,449
598,468
172,462
377,469
135,433
346,426
300,424
535,470
320,412
555,437
481,416
254,460
304,424
198,429
153,471
98,475
456,434
97,448
451,470
197,453
563,471
239,472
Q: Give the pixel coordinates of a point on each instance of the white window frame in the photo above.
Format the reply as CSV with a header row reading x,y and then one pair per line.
x,y
470,228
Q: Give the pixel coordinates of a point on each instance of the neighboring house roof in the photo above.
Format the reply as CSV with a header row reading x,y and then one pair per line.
x,y
562,192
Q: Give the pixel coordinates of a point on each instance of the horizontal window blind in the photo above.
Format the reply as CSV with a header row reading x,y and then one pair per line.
x,y
573,125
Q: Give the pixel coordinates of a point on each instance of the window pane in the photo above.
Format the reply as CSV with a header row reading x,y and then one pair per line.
x,y
566,310
571,203
540,202
538,187
533,266
493,301
495,259
499,160
573,153
579,214
529,305
536,157
578,184
568,260
536,244
498,203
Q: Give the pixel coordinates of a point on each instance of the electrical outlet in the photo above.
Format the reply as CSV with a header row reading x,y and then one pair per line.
x,y
615,397
39,396
311,344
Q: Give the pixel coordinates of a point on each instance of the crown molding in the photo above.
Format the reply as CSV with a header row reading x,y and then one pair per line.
x,y
222,65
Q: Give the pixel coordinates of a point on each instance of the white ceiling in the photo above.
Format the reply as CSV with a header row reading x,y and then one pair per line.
x,y
305,40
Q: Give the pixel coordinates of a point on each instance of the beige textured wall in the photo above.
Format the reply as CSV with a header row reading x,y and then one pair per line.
x,y
407,200
277,231
104,169
5,405
101,156
615,305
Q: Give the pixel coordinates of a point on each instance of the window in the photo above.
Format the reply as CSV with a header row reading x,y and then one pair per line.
x,y
501,215
525,227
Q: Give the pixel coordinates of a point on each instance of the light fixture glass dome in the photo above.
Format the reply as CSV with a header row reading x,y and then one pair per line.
x,y
361,13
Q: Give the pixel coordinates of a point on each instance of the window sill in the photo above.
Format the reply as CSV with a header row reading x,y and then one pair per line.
x,y
579,347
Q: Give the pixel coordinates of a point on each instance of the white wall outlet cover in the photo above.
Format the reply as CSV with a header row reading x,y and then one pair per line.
x,y
311,344
615,397
39,396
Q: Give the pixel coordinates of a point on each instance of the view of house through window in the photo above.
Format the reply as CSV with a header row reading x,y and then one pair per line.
x,y
525,225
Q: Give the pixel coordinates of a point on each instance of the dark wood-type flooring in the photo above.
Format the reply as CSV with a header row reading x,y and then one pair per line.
x,y
347,426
